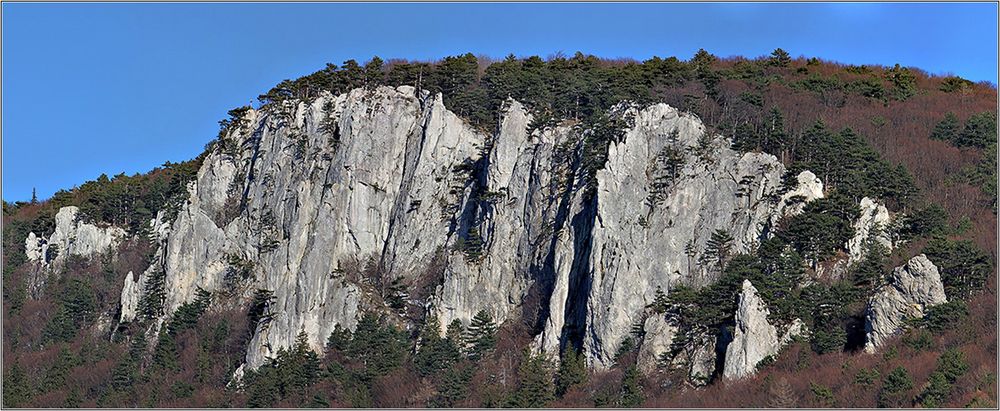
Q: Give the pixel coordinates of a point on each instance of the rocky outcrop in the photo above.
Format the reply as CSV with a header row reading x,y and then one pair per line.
x,y
912,289
808,188
871,226
72,237
131,293
698,357
659,334
648,234
326,202
754,338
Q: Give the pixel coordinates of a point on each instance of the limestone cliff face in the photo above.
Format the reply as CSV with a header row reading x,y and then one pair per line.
x,y
325,202
754,337
913,287
647,234
871,225
72,237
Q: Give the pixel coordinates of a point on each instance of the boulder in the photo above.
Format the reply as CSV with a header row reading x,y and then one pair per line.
x,y
912,288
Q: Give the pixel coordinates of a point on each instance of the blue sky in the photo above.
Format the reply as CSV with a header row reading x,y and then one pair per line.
x,y
110,88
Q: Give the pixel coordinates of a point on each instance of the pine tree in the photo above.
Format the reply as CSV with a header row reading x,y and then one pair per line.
x,y
779,58
535,389
16,387
980,131
894,388
631,394
454,386
435,353
717,248
481,334
946,129
660,301
154,296
339,338
166,355
572,370
302,362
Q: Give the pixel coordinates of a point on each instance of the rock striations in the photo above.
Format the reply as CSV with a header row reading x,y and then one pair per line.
x,y
72,237
754,337
912,289
333,204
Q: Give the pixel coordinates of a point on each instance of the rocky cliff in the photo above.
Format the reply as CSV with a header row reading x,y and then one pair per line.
x,y
334,204
754,337
72,237
912,288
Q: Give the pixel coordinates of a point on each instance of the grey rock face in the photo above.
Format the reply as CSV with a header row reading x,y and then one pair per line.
x,y
871,225
754,338
700,360
646,236
71,237
308,199
656,342
912,289
809,188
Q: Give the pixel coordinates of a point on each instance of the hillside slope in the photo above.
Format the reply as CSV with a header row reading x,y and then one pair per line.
x,y
529,233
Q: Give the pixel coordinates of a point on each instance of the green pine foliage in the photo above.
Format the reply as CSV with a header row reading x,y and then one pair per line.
x,y
979,132
154,296
77,307
572,370
481,335
947,129
894,388
454,386
942,317
291,372
951,365
435,353
963,266
535,388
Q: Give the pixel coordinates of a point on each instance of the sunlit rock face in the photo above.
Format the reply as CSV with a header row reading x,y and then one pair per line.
x,y
912,289
72,237
307,199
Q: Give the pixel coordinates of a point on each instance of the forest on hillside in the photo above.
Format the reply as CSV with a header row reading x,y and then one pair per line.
x,y
923,144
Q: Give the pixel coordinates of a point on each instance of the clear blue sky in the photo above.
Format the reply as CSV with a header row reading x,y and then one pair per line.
x,y
110,88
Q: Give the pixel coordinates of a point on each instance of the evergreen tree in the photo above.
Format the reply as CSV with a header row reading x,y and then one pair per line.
x,y
435,353
454,386
377,347
631,394
717,248
964,267
947,129
374,76
535,389
187,314
904,82
894,388
481,334
456,335
980,131
166,355
779,58
660,301
572,370
16,387
154,296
